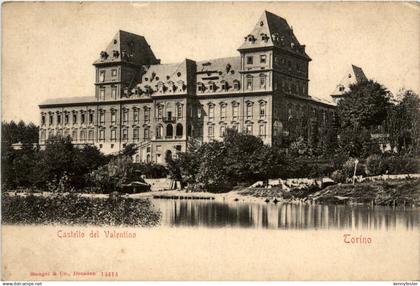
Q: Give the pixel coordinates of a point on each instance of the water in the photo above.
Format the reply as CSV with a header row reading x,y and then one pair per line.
x,y
194,213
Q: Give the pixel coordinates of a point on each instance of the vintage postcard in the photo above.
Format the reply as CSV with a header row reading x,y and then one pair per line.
x,y
210,141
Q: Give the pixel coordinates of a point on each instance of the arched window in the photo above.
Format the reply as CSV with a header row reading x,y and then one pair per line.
x,y
168,154
179,130
137,158
159,131
148,158
169,130
236,84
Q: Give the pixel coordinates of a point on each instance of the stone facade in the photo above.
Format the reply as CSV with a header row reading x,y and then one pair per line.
x,y
164,107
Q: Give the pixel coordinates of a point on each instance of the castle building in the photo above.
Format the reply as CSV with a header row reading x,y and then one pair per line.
x,y
163,107
353,75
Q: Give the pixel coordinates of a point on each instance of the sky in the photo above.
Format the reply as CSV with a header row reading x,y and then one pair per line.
x,y
48,48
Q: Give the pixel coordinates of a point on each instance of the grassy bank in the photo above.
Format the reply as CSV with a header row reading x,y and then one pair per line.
x,y
386,193
77,210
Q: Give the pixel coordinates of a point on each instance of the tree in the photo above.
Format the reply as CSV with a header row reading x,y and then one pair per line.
x,y
403,123
365,105
361,110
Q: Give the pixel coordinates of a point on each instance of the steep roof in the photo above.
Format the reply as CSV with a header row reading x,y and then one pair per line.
x,y
127,47
68,100
273,31
220,69
353,75
165,74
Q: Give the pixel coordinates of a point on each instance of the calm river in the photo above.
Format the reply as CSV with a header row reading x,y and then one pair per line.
x,y
193,213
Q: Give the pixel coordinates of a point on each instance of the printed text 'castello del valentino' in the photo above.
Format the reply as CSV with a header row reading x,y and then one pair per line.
x,y
163,108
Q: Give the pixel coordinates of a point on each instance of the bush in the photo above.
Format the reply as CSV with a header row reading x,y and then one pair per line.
x,y
375,165
338,176
402,165
348,168
74,209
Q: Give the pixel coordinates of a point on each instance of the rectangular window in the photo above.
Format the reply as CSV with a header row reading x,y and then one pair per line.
x,y
136,115
146,133
90,135
82,118
222,130
136,134
114,92
147,115
249,60
101,76
58,118
90,117
74,118
102,134
66,118
125,134
179,111
262,110
74,135
235,111
262,81
102,94
249,83
249,129
51,119
199,111
211,131
249,110
223,112
262,130
113,134
43,119
82,136
114,72
263,59
211,112
125,116
102,117
159,112
113,116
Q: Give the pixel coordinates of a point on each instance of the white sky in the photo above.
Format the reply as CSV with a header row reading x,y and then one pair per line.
x,y
49,48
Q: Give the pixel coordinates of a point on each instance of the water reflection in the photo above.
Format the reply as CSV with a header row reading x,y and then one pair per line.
x,y
283,216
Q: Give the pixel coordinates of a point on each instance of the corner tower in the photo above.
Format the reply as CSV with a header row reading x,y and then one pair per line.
x,y
272,47
120,65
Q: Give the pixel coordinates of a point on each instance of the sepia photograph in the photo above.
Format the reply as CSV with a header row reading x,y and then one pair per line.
x,y
208,141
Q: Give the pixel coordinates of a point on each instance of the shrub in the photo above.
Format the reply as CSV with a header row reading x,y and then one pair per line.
x,y
375,165
348,168
338,176
74,209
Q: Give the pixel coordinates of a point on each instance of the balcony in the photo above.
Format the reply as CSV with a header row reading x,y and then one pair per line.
x,y
169,119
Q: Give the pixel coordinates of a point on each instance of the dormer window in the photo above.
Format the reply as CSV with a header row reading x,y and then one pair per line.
x,y
171,86
212,86
236,84
200,87
224,85
341,88
160,87
104,55
264,37
250,38
115,53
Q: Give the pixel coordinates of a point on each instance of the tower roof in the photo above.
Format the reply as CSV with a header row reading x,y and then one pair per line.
x,y
127,47
353,75
273,31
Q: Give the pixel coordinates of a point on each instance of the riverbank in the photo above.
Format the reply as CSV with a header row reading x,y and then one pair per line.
x,y
385,193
